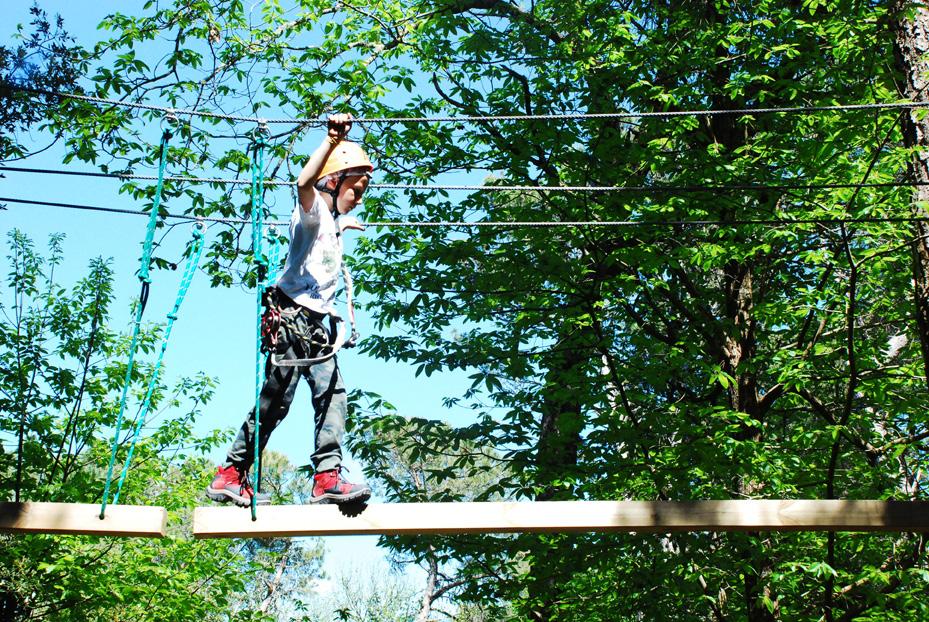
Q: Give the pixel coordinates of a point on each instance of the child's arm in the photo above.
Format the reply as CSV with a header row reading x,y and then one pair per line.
x,y
339,124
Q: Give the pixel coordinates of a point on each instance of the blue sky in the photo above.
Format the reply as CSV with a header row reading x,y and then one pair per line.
x,y
215,330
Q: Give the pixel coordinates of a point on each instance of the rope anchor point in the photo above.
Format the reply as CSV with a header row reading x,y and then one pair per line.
x,y
170,119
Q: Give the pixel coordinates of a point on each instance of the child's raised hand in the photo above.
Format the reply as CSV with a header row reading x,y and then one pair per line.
x,y
339,125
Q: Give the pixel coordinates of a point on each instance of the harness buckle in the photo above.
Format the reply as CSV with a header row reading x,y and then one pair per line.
x,y
271,321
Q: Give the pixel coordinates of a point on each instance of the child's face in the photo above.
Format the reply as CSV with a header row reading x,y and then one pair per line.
x,y
353,188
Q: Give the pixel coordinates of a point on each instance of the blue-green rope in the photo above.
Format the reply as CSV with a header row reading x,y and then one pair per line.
x,y
193,261
274,253
156,204
140,308
262,263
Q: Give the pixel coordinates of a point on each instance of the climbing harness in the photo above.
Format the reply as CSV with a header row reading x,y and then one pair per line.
x,y
332,346
145,279
277,317
270,322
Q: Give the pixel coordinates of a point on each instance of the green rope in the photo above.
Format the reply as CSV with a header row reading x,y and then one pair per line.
x,y
156,204
274,253
262,263
193,261
143,299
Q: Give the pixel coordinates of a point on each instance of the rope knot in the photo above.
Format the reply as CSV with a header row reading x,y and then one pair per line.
x,y
262,130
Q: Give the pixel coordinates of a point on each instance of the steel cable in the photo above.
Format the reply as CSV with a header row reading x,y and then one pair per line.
x,y
481,118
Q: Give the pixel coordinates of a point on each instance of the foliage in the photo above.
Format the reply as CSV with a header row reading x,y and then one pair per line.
x,y
741,359
287,568
44,59
423,461
62,369
362,593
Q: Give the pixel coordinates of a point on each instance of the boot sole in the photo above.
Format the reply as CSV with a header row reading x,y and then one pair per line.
x,y
224,496
336,499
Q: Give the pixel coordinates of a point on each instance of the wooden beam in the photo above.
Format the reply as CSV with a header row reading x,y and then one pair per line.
x,y
83,518
563,516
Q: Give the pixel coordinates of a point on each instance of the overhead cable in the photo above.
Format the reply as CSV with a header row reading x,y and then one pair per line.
x,y
116,210
481,118
511,224
657,189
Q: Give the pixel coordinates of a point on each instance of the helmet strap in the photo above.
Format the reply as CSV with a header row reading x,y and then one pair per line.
x,y
334,193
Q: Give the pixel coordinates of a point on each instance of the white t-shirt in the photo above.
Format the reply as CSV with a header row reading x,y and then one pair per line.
x,y
314,259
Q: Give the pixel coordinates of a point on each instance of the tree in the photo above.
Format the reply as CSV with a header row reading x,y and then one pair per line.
x,y
678,362
289,566
412,461
747,358
62,369
910,27
44,59
359,594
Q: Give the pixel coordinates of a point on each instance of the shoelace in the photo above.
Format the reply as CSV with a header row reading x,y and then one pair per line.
x,y
338,474
245,485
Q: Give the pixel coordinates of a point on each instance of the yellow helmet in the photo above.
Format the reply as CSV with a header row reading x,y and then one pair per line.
x,y
346,155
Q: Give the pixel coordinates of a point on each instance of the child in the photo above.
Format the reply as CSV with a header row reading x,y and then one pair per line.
x,y
330,185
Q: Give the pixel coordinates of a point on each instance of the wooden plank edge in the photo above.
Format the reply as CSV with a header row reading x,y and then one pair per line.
x,y
83,519
576,517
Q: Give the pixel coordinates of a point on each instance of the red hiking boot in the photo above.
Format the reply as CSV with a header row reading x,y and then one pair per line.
x,y
231,485
329,487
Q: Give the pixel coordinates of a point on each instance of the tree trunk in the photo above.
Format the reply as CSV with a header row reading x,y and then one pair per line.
x,y
432,575
274,584
910,27
738,346
557,456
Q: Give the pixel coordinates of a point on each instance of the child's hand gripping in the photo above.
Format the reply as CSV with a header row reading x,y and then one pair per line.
x,y
338,126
